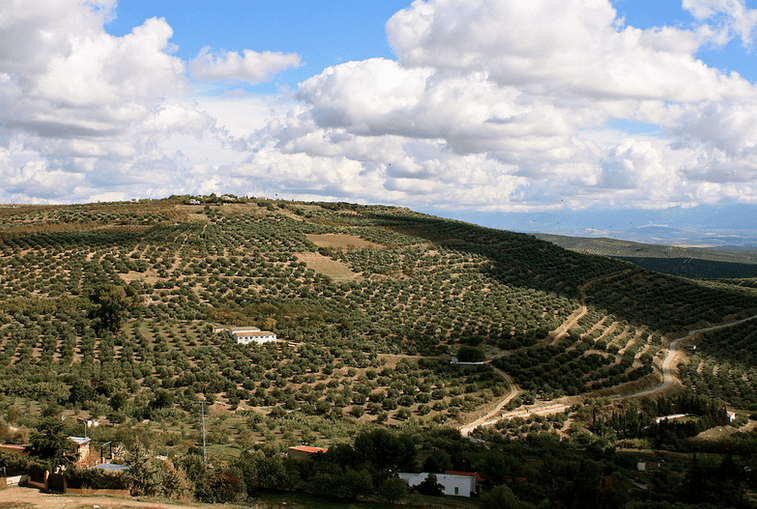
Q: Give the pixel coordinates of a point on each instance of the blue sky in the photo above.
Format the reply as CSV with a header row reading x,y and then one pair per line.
x,y
323,33
625,118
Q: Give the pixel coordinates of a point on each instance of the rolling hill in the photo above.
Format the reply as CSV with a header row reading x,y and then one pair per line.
x,y
370,302
694,262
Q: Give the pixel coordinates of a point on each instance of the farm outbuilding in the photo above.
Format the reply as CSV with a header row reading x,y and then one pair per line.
x,y
83,451
247,335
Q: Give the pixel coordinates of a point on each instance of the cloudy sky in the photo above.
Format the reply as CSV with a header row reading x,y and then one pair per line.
x,y
595,117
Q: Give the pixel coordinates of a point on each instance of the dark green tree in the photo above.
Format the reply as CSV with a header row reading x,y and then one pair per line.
x,y
344,485
470,354
163,399
502,497
111,305
262,473
439,461
50,441
431,486
81,391
197,473
386,450
392,489
145,473
117,401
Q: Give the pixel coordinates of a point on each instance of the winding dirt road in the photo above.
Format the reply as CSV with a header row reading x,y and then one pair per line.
x,y
672,355
496,414
669,363
513,390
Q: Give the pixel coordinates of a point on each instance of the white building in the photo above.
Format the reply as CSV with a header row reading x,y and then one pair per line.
x,y
247,335
456,485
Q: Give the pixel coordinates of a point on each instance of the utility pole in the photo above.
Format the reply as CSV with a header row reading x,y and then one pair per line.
x,y
202,417
86,425
102,446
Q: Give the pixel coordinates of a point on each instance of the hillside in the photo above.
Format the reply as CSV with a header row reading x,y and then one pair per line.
x,y
694,262
369,302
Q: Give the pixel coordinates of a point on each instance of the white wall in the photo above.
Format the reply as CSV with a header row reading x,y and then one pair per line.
x,y
245,340
465,484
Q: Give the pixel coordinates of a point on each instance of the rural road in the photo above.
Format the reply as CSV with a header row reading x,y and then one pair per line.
x,y
491,417
671,357
34,498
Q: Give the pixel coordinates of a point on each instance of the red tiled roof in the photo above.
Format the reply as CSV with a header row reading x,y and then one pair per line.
x,y
307,448
18,449
468,474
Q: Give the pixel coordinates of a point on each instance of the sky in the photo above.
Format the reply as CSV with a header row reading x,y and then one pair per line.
x,y
623,118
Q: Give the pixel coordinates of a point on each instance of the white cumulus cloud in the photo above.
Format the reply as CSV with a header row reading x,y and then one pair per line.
x,y
80,109
489,105
733,18
522,90
250,66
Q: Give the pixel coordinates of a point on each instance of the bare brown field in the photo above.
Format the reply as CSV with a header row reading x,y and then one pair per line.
x,y
342,241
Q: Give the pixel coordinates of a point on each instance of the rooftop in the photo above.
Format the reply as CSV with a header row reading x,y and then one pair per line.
x,y
111,467
307,448
476,475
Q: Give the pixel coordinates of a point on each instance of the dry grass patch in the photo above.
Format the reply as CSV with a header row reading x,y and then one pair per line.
x,y
337,271
150,276
193,213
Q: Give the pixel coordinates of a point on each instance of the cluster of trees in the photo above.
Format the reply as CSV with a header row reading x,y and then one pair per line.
x,y
647,418
574,365
539,472
522,273
664,302
146,371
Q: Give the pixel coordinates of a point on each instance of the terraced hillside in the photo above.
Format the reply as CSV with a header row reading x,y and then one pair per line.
x,y
369,302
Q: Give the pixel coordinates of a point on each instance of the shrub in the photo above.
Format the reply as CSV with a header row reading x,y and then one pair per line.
x,y
470,354
95,479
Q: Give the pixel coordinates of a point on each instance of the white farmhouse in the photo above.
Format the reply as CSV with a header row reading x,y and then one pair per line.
x,y
456,485
247,335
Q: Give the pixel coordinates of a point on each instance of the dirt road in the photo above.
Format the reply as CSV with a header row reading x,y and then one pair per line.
x,y
572,320
485,419
672,357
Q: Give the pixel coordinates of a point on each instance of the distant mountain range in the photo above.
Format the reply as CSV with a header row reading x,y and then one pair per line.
x,y
739,261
